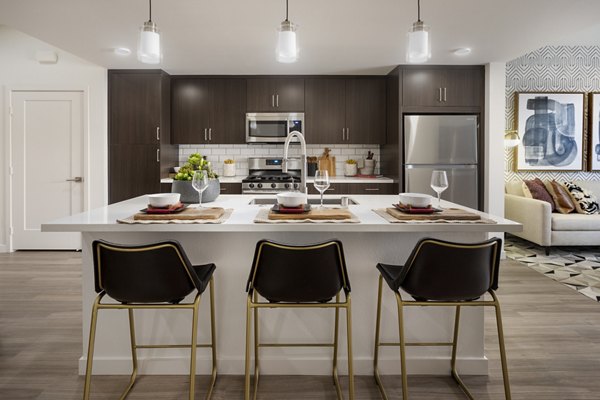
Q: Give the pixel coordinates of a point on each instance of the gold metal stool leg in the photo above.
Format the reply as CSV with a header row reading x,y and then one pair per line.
x,y
402,346
134,360
194,347
349,340
336,329
377,334
454,373
256,349
90,354
505,377
247,368
213,340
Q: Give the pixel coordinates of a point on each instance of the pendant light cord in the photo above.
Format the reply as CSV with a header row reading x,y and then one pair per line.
x,y
418,10
286,10
150,8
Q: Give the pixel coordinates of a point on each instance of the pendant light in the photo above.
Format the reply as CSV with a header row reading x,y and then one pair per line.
x,y
418,48
149,41
287,50
511,138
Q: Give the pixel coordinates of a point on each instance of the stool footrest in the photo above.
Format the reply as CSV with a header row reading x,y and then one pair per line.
x,y
169,346
426,344
296,345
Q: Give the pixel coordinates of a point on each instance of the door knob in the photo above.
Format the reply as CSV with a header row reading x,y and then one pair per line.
x,y
76,179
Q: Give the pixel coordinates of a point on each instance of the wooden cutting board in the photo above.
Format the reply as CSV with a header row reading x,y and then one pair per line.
x,y
188,213
327,164
315,214
449,213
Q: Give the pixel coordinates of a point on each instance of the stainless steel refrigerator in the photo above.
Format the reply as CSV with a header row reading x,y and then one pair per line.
x,y
442,142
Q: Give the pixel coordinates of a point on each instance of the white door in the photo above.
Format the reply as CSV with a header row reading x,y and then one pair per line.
x,y
47,158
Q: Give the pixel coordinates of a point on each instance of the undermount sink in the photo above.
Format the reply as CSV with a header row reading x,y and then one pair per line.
x,y
328,201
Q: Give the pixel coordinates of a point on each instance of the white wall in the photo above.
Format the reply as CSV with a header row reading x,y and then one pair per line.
x,y
19,69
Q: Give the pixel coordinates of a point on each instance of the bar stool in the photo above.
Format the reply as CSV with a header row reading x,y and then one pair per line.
x,y
442,274
290,276
154,276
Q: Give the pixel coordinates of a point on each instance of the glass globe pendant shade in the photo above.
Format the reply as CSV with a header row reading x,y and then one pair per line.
x,y
149,44
511,139
287,49
418,49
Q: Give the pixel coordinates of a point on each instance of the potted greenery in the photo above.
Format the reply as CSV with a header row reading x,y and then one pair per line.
x,y
182,181
350,168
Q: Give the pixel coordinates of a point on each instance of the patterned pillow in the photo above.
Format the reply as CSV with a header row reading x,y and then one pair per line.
x,y
561,196
539,192
585,201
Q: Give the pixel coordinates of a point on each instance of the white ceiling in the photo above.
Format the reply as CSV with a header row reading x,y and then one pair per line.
x,y
335,36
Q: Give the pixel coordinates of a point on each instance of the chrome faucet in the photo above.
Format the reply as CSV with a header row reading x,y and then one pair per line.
x,y
284,167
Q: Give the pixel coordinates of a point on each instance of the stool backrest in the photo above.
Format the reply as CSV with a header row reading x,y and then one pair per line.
x,y
441,270
290,273
152,273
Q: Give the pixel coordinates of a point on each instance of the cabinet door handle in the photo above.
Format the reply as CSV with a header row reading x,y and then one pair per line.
x,y
158,133
343,134
158,155
210,134
371,189
330,190
223,189
205,138
445,95
439,94
277,101
273,100
347,133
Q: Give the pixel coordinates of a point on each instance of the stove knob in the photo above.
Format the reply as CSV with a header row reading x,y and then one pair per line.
x,y
296,186
287,185
273,185
251,185
259,185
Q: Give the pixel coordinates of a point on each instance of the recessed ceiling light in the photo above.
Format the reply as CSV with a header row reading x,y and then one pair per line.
x,y
462,51
122,51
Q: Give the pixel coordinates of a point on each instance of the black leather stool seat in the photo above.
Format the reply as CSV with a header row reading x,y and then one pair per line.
x,y
203,275
392,274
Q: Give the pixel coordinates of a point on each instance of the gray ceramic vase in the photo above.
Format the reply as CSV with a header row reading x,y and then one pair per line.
x,y
189,194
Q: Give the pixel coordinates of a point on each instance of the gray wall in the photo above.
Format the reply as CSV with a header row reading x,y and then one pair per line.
x,y
550,69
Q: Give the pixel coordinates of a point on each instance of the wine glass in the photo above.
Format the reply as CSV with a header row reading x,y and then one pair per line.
x,y
321,182
200,183
439,183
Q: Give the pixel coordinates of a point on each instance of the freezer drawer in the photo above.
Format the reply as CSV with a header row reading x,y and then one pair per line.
x,y
440,139
462,183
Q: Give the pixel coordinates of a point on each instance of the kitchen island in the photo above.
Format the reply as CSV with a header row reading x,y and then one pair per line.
x,y
230,246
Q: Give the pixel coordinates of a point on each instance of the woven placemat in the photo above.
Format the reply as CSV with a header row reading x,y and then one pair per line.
x,y
263,218
382,212
224,217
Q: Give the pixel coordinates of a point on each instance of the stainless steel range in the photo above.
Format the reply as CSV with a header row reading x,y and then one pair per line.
x,y
266,175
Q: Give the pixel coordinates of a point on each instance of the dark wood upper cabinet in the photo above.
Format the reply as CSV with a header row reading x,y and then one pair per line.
x,y
345,110
442,86
325,116
208,110
275,95
139,121
365,110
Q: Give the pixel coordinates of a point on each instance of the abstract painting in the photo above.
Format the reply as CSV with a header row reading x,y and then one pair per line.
x,y
594,153
551,127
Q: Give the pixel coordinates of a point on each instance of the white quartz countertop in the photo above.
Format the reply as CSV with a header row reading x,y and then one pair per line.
x,y
104,219
333,179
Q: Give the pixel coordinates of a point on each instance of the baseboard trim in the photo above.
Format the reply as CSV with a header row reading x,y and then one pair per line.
x,y
3,248
287,366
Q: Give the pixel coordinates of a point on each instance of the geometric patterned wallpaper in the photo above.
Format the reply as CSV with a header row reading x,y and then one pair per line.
x,y
550,69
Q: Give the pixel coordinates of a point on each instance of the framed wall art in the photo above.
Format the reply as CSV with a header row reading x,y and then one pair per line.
x,y
551,127
594,142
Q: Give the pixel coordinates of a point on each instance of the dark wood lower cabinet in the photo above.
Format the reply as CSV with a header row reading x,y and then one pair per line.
x,y
356,188
231,188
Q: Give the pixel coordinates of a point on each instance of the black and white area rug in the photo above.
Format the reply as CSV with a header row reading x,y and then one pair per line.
x,y
577,267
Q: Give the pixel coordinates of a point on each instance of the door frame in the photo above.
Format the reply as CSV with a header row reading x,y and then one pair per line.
x,y
8,143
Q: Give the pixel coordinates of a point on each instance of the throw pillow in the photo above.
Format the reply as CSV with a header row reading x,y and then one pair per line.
x,y
585,201
539,192
561,197
526,192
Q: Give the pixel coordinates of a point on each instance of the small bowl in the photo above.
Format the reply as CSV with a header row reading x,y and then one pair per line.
x,y
415,199
291,199
163,199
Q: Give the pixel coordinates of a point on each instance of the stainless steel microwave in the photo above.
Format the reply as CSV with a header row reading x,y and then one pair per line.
x,y
272,127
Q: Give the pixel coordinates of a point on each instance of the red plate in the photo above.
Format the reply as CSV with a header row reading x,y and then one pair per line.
x,y
164,210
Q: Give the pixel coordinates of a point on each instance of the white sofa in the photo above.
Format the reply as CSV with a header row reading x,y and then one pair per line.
x,y
545,228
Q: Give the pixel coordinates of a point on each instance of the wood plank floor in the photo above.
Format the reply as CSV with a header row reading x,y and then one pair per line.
x,y
552,335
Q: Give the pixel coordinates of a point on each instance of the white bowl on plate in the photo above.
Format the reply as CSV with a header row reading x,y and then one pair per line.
x,y
291,199
415,199
163,199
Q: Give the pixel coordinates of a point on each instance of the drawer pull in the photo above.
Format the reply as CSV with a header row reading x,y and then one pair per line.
x,y
330,190
371,189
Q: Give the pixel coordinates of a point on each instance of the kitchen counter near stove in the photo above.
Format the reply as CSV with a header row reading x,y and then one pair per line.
x,y
231,245
333,179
